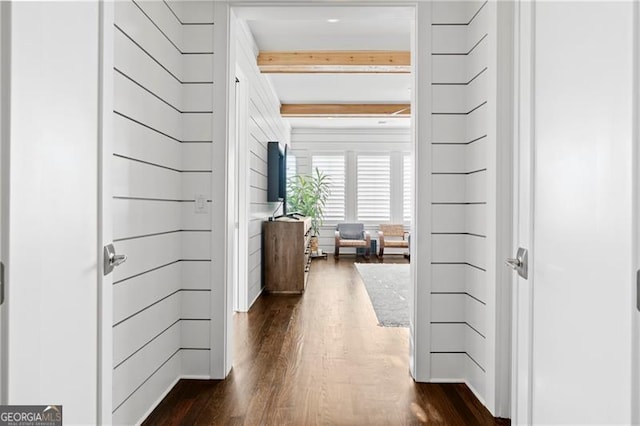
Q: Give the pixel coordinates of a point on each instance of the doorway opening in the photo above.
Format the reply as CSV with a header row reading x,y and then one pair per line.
x,y
368,156
453,140
344,163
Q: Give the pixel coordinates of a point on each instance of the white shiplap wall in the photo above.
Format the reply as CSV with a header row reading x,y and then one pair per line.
x,y
350,142
263,124
462,142
161,164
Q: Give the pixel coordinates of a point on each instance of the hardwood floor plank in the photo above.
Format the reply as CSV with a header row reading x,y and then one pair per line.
x,y
320,358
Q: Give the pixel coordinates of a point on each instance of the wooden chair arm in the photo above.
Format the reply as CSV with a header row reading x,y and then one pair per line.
x,y
381,239
367,248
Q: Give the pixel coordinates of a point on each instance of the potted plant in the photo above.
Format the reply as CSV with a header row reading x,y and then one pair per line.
x,y
308,195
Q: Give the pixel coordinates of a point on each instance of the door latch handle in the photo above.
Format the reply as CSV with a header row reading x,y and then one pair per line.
x,y
3,283
111,259
513,263
637,290
520,264
118,259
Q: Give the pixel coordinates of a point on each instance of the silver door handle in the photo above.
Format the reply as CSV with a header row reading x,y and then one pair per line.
x,y
118,259
637,287
513,263
111,259
520,264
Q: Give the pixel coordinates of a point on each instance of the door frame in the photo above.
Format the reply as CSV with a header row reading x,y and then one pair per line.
x,y
420,331
222,199
523,203
5,78
241,252
224,73
635,385
421,129
504,120
105,211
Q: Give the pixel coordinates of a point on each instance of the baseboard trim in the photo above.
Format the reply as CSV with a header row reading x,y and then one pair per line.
x,y
480,398
158,401
255,298
447,380
169,389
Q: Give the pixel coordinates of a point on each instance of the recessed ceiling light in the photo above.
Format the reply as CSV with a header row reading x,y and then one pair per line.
x,y
333,20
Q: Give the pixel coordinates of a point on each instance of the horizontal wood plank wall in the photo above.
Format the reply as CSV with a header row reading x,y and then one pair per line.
x,y
459,206
264,124
306,142
162,163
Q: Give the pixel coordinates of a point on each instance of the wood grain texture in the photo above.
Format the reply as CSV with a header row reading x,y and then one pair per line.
x,y
320,359
285,254
359,61
346,110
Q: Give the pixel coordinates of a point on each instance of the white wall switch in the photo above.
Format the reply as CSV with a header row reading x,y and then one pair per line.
x,y
200,204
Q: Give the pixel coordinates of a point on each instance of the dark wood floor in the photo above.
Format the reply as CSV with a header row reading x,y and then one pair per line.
x,y
320,359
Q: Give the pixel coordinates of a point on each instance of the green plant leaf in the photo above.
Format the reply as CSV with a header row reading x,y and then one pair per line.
x,y
308,195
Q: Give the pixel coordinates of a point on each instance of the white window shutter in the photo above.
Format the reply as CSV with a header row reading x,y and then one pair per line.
x,y
374,188
406,188
291,166
333,167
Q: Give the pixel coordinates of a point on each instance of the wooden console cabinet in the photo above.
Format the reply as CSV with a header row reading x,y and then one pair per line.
x,y
286,254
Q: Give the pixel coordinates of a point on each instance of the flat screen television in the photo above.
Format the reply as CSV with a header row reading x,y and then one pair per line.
x,y
277,174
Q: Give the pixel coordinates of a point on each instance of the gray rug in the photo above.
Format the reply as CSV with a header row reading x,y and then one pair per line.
x,y
388,288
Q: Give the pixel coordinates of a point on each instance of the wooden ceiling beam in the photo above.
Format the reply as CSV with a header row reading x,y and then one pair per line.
x,y
356,61
346,110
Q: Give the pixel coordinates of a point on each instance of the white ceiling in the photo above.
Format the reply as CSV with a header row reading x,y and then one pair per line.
x,y
383,34
342,88
376,28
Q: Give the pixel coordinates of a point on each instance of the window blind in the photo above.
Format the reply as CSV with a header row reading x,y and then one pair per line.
x,y
406,188
291,166
373,188
332,166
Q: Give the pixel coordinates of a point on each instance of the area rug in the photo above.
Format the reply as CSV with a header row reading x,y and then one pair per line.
x,y
388,288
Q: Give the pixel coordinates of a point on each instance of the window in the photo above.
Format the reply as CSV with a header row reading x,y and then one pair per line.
x,y
373,188
291,166
406,188
333,167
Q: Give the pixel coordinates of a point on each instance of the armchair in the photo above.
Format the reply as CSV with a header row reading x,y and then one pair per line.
x,y
394,231
352,235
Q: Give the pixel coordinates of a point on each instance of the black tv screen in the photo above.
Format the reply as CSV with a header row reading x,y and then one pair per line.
x,y
276,172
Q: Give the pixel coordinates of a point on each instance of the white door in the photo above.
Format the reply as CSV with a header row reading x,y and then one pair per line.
x,y
53,272
573,352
